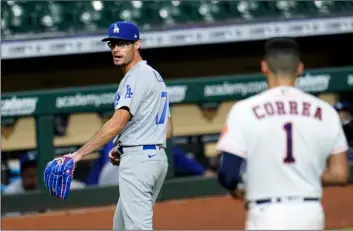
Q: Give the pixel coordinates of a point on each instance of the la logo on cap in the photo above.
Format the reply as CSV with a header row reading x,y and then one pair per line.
x,y
116,29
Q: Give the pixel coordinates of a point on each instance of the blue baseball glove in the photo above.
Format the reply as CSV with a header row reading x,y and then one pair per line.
x,y
58,174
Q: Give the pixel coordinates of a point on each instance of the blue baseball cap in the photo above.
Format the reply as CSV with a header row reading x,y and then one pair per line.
x,y
341,106
123,30
28,158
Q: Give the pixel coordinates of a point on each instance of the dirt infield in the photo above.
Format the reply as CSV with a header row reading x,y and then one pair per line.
x,y
211,213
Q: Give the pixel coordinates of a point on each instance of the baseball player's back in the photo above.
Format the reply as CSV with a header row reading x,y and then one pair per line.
x,y
290,142
290,134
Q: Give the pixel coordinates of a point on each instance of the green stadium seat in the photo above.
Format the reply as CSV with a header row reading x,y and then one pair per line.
x,y
86,15
150,16
68,16
48,17
250,10
178,12
329,7
130,11
171,13
110,14
22,17
30,17
5,19
228,10
212,11
289,9
190,9
324,7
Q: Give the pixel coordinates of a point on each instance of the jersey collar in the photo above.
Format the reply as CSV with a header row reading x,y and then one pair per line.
x,y
142,62
284,89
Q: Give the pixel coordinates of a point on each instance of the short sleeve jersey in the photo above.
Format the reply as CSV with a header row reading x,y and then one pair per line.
x,y
286,136
144,92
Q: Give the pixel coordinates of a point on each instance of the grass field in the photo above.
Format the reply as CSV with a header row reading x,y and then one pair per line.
x,y
347,228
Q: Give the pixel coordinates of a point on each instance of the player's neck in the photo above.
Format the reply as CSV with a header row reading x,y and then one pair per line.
x,y
280,81
125,69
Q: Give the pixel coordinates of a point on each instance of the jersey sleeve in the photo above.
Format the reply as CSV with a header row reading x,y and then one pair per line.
x,y
132,94
232,138
339,142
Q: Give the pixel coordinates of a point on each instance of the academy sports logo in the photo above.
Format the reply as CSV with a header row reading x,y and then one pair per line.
x,y
18,106
229,88
81,100
313,82
176,93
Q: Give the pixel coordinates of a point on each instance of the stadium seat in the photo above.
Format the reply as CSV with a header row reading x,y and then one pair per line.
x,y
6,17
251,9
64,16
179,12
211,11
131,11
30,17
329,6
171,13
109,13
20,17
49,17
288,9
150,16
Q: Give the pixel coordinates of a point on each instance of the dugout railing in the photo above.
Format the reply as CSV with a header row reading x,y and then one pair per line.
x,y
42,105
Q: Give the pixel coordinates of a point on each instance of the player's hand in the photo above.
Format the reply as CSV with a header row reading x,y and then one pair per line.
x,y
75,156
237,194
114,156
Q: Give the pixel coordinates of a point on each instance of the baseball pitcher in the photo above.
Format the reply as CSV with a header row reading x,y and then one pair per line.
x,y
291,143
139,125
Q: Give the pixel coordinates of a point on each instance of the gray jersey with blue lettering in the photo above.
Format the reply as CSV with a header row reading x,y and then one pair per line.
x,y
144,92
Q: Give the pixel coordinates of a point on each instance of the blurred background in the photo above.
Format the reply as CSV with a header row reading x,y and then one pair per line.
x,y
55,45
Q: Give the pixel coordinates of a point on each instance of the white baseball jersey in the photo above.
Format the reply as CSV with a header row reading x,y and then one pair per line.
x,y
286,136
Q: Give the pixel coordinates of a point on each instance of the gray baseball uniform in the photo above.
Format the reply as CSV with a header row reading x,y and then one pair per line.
x,y
143,165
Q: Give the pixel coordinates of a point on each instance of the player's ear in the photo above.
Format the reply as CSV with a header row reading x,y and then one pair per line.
x,y
300,68
264,67
137,45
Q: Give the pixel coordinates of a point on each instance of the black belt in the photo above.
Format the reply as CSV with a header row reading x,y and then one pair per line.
x,y
283,199
143,147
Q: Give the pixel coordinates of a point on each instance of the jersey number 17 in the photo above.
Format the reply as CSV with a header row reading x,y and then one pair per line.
x,y
162,113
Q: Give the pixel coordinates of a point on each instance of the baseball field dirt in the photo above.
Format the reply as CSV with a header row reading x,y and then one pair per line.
x,y
210,213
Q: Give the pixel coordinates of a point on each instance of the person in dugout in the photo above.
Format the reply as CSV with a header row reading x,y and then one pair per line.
x,y
345,111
